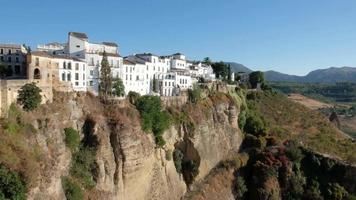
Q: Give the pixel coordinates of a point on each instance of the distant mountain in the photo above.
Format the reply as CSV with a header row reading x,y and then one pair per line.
x,y
237,67
330,75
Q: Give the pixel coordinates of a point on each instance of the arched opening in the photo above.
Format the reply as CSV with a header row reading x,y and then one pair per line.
x,y
37,74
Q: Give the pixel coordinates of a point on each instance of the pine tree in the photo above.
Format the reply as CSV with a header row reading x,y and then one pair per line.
x,y
105,88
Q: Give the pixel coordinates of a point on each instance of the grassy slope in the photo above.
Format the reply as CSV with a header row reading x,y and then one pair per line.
x,y
289,120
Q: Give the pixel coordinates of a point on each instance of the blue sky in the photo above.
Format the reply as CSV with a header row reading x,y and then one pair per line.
x,y
290,36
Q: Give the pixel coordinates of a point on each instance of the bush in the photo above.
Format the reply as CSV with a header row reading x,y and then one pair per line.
x,y
11,185
336,191
83,163
29,96
133,97
71,189
119,88
255,125
153,118
242,120
72,139
240,187
194,95
178,160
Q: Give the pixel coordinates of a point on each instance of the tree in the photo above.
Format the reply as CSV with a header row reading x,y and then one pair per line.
x,y
119,88
220,69
255,78
207,61
29,96
105,88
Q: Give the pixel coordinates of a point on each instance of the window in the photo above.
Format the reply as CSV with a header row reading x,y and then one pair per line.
x,y
137,78
126,77
83,83
90,83
17,69
76,83
169,83
1,58
154,68
84,77
91,72
10,51
64,65
126,69
165,83
147,67
37,63
130,77
91,61
1,51
69,65
83,67
76,66
17,60
76,76
63,76
9,59
37,74
78,46
68,77
112,63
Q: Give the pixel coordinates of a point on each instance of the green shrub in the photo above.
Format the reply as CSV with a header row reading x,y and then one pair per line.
x,y
11,185
336,191
242,120
12,127
255,125
240,187
119,88
178,160
72,139
29,96
71,189
153,118
194,95
83,163
133,97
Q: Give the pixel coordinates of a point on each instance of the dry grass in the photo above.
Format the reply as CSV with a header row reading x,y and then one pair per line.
x,y
290,120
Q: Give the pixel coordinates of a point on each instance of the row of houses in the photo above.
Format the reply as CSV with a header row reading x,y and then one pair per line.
x,y
75,65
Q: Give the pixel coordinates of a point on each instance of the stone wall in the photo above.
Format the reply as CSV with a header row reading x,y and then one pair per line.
x,y
10,88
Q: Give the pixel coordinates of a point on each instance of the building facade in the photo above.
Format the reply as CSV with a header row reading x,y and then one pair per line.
x,y
13,57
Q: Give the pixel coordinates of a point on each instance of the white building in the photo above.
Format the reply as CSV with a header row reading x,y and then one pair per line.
x,y
79,47
134,77
172,73
72,70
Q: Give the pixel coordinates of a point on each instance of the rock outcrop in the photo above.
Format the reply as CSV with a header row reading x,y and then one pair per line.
x,y
129,165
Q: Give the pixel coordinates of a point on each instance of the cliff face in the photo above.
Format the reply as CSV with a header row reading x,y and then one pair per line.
x,y
129,166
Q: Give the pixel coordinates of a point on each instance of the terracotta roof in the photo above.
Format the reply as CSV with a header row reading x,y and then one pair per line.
x,y
79,35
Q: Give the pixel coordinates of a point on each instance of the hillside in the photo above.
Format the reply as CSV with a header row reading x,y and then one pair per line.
x,y
329,75
237,67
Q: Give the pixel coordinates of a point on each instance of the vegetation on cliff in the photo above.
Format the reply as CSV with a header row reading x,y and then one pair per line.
x,y
153,117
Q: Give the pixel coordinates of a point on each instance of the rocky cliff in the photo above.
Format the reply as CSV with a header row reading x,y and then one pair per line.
x,y
128,163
